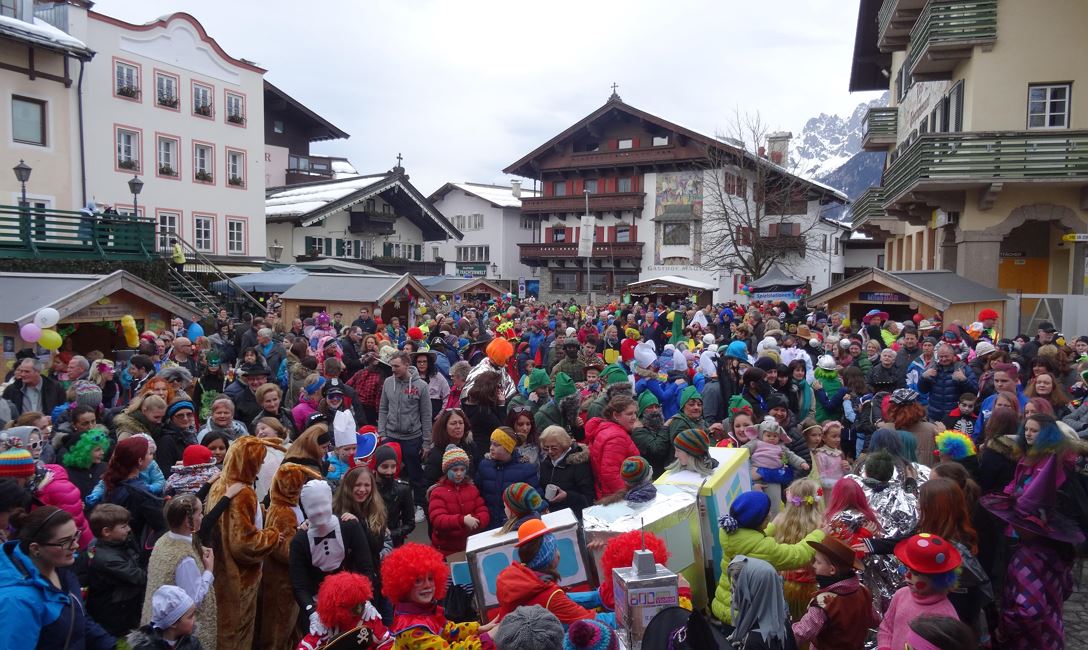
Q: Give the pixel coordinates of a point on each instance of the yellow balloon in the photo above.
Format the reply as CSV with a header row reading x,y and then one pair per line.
x,y
50,340
128,327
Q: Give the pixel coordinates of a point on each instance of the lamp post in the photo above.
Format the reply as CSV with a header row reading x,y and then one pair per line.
x,y
134,186
22,174
275,251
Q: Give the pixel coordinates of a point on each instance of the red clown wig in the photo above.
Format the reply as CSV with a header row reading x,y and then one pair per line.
x,y
620,552
341,598
406,563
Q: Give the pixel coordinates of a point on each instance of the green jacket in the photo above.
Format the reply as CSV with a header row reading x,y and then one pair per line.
x,y
681,422
549,414
655,445
754,543
521,401
573,367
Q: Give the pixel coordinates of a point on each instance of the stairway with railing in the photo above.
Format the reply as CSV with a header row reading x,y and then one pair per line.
x,y
198,273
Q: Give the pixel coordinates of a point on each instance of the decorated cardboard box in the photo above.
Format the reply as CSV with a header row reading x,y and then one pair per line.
x,y
642,590
488,553
716,492
671,516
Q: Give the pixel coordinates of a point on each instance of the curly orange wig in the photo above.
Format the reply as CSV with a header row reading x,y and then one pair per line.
x,y
340,599
401,568
499,350
620,552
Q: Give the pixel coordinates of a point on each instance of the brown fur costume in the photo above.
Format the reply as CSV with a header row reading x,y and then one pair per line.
x,y
241,546
279,611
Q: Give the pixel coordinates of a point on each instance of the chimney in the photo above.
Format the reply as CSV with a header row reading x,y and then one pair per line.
x,y
778,146
763,152
515,188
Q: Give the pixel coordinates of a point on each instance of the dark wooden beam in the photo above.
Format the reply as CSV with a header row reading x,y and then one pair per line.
x,y
30,62
28,72
67,76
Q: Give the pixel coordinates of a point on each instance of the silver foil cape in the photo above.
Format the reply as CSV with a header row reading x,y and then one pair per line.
x,y
896,508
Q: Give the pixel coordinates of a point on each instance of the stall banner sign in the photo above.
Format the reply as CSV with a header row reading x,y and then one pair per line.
x,y
716,493
774,295
490,552
882,296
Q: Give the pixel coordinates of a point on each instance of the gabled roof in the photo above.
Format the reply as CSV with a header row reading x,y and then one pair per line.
x,y
523,167
41,34
941,289
775,277
309,203
337,287
26,293
676,280
453,285
499,196
321,129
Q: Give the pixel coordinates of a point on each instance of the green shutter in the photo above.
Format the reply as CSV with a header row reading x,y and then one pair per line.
x,y
419,253
309,243
328,246
340,248
355,248
387,249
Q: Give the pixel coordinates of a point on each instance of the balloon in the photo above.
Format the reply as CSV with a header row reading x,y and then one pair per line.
x,y
50,340
195,331
46,317
128,326
30,332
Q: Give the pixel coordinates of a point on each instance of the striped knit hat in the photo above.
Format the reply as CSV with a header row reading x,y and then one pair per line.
x,y
634,470
453,455
522,499
16,463
590,634
692,441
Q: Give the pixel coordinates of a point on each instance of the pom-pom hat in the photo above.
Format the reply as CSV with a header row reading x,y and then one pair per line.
x,y
522,499
928,554
634,470
692,441
987,314
196,455
452,457
590,634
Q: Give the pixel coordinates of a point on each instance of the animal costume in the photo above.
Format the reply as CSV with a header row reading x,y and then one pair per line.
x,y
283,516
243,544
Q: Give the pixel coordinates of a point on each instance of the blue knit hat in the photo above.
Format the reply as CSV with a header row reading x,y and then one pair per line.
x,y
179,405
749,510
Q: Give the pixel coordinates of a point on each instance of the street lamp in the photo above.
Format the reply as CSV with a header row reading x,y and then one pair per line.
x,y
22,174
275,251
134,186
495,269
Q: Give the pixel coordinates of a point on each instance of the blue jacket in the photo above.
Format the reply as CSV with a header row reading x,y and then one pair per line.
x,y
492,478
944,391
38,615
666,392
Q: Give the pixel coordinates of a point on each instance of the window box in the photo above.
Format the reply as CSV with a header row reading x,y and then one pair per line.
x,y
236,181
204,110
204,177
132,92
169,101
235,118
167,170
129,164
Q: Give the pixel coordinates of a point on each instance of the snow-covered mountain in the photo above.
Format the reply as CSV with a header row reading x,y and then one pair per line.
x,y
828,141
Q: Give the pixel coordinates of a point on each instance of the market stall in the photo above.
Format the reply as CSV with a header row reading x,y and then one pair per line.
x,y
775,285
391,295
672,288
455,288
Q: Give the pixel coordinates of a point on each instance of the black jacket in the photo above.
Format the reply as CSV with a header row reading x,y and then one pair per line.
x,y
148,638
572,475
115,586
170,444
245,402
400,508
483,419
52,395
306,578
148,521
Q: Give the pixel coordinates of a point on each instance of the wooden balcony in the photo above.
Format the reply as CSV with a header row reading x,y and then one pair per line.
x,y
958,161
31,233
616,201
539,254
895,20
946,33
868,206
880,127
371,222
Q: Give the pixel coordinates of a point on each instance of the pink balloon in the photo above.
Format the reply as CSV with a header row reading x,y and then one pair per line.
x,y
30,333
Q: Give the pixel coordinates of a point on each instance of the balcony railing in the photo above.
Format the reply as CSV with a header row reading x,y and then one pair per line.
x,y
946,33
879,130
537,253
32,233
371,222
870,205
894,22
577,204
960,160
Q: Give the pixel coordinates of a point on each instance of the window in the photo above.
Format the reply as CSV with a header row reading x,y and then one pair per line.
x,y
28,121
202,100
128,150
528,223
744,236
954,108
7,8
835,244
587,146
371,205
203,155
168,228
236,109
623,234
473,253
465,222
823,243
236,237
404,250
661,140
166,90
621,279
676,234
366,248
559,234
623,185
1048,106
167,157
625,143
591,186
564,280
236,168
277,126
434,253
387,209
203,229
880,261
126,80
735,185
559,188
598,281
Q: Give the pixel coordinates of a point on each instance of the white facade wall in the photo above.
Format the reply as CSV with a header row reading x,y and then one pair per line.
x,y
501,231
176,47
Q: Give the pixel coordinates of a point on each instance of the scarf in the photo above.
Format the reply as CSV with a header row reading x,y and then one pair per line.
x,y
758,603
805,397
642,493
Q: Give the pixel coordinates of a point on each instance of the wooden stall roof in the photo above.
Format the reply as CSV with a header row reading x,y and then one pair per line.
x,y
940,289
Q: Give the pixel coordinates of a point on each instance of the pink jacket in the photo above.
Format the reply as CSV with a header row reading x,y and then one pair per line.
x,y
828,465
904,608
62,493
609,444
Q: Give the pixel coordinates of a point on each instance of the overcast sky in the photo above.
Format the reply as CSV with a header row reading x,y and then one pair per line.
x,y
464,88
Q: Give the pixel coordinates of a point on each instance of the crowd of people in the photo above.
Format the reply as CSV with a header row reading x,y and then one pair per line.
x,y
916,483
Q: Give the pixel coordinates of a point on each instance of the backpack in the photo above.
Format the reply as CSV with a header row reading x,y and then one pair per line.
x,y
869,413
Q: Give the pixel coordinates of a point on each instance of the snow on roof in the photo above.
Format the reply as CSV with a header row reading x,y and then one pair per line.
x,y
41,32
343,169
302,200
678,279
499,195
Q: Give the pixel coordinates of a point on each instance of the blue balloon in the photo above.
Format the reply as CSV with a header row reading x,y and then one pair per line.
x,y
195,331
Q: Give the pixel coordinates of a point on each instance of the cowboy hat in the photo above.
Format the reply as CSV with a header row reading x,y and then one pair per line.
x,y
882,315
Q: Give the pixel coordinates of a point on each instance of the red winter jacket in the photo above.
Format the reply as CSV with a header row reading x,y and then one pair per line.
x,y
449,503
609,444
519,585
62,493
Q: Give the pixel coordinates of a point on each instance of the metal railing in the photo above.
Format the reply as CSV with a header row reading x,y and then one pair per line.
x,y
197,265
570,250
880,126
39,233
988,157
870,205
952,24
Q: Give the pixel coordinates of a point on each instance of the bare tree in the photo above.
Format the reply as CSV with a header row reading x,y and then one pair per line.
x,y
755,208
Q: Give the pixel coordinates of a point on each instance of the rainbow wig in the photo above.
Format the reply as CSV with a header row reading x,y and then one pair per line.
x,y
955,445
406,563
79,455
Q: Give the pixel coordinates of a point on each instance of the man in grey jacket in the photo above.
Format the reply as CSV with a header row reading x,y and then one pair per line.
x,y
404,417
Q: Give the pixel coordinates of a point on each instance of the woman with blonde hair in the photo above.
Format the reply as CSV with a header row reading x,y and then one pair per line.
x,y
357,499
102,374
803,513
143,415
